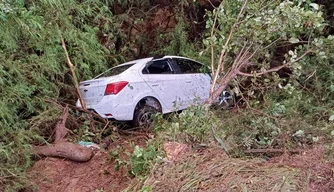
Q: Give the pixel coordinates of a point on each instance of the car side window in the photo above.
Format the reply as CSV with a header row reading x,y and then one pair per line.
x,y
158,67
188,66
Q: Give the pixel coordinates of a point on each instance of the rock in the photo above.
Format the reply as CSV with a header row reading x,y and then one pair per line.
x,y
175,150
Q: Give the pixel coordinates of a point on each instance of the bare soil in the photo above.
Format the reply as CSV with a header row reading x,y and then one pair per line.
x,y
98,174
316,173
206,169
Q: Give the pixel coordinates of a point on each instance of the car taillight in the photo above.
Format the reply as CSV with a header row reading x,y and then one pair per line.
x,y
114,88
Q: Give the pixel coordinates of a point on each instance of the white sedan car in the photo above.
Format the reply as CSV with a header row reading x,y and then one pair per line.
x,y
135,90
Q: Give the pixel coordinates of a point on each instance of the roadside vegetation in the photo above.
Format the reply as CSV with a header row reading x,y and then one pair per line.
x,y
276,57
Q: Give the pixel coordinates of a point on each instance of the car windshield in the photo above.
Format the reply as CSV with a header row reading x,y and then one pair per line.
x,y
114,71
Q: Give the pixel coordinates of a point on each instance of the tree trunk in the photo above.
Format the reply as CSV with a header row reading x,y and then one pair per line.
x,y
222,85
66,150
61,147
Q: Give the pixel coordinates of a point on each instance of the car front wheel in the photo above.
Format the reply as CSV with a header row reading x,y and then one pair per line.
x,y
226,100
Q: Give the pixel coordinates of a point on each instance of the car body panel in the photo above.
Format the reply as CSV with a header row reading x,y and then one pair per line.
x,y
122,105
199,85
92,91
168,87
174,91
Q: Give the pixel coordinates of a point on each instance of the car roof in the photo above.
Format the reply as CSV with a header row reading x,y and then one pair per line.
x,y
135,61
173,56
138,61
180,57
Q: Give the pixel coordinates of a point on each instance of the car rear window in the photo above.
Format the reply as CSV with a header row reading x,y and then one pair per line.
x,y
188,66
114,71
158,67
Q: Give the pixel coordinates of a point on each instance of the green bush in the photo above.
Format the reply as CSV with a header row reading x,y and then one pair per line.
x,y
33,69
193,125
142,159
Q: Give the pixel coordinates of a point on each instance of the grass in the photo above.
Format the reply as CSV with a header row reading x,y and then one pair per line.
x,y
283,124
212,170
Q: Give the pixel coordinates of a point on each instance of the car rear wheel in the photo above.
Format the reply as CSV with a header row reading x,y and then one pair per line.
x,y
143,116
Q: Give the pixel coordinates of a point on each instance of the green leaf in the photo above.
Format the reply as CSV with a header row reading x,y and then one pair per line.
x,y
332,133
315,6
331,118
293,40
299,133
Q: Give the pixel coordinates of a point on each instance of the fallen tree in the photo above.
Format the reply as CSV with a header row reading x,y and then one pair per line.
x,y
61,147
245,36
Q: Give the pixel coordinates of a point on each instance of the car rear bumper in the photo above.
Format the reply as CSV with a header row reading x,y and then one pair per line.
x,y
109,110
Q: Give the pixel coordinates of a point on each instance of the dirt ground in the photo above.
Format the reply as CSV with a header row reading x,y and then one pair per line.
x,y
212,170
207,169
98,174
316,173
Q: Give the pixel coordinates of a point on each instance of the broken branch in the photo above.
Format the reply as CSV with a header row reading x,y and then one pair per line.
x,y
61,104
220,141
61,130
72,68
275,69
66,150
272,151
220,67
61,148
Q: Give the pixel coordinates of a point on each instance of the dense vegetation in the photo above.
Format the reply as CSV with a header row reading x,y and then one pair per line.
x,y
297,102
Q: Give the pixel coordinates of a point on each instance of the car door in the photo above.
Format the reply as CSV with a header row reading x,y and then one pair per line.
x,y
161,78
197,84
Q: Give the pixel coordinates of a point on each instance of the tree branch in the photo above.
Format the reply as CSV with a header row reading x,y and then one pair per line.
x,y
61,148
72,68
275,69
273,151
222,56
61,130
212,50
61,104
87,111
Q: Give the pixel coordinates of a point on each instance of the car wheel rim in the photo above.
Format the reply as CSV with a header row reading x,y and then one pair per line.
x,y
225,99
146,119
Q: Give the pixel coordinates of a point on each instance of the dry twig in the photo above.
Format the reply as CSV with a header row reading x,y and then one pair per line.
x,y
62,104
72,68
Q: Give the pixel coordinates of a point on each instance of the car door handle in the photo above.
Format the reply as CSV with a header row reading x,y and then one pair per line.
x,y
188,81
155,85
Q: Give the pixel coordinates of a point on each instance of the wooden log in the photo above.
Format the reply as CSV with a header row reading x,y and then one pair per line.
x,y
71,151
273,151
61,147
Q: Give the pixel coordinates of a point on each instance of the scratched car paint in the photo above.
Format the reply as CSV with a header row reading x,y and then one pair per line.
x,y
135,90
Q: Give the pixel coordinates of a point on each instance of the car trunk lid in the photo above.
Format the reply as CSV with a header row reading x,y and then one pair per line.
x,y
92,91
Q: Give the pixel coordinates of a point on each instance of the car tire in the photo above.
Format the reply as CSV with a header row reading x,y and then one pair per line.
x,y
143,116
227,100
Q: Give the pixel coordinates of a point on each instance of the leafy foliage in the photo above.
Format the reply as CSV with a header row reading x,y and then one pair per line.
x,y
178,43
33,67
244,38
141,160
262,27
193,125
273,34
